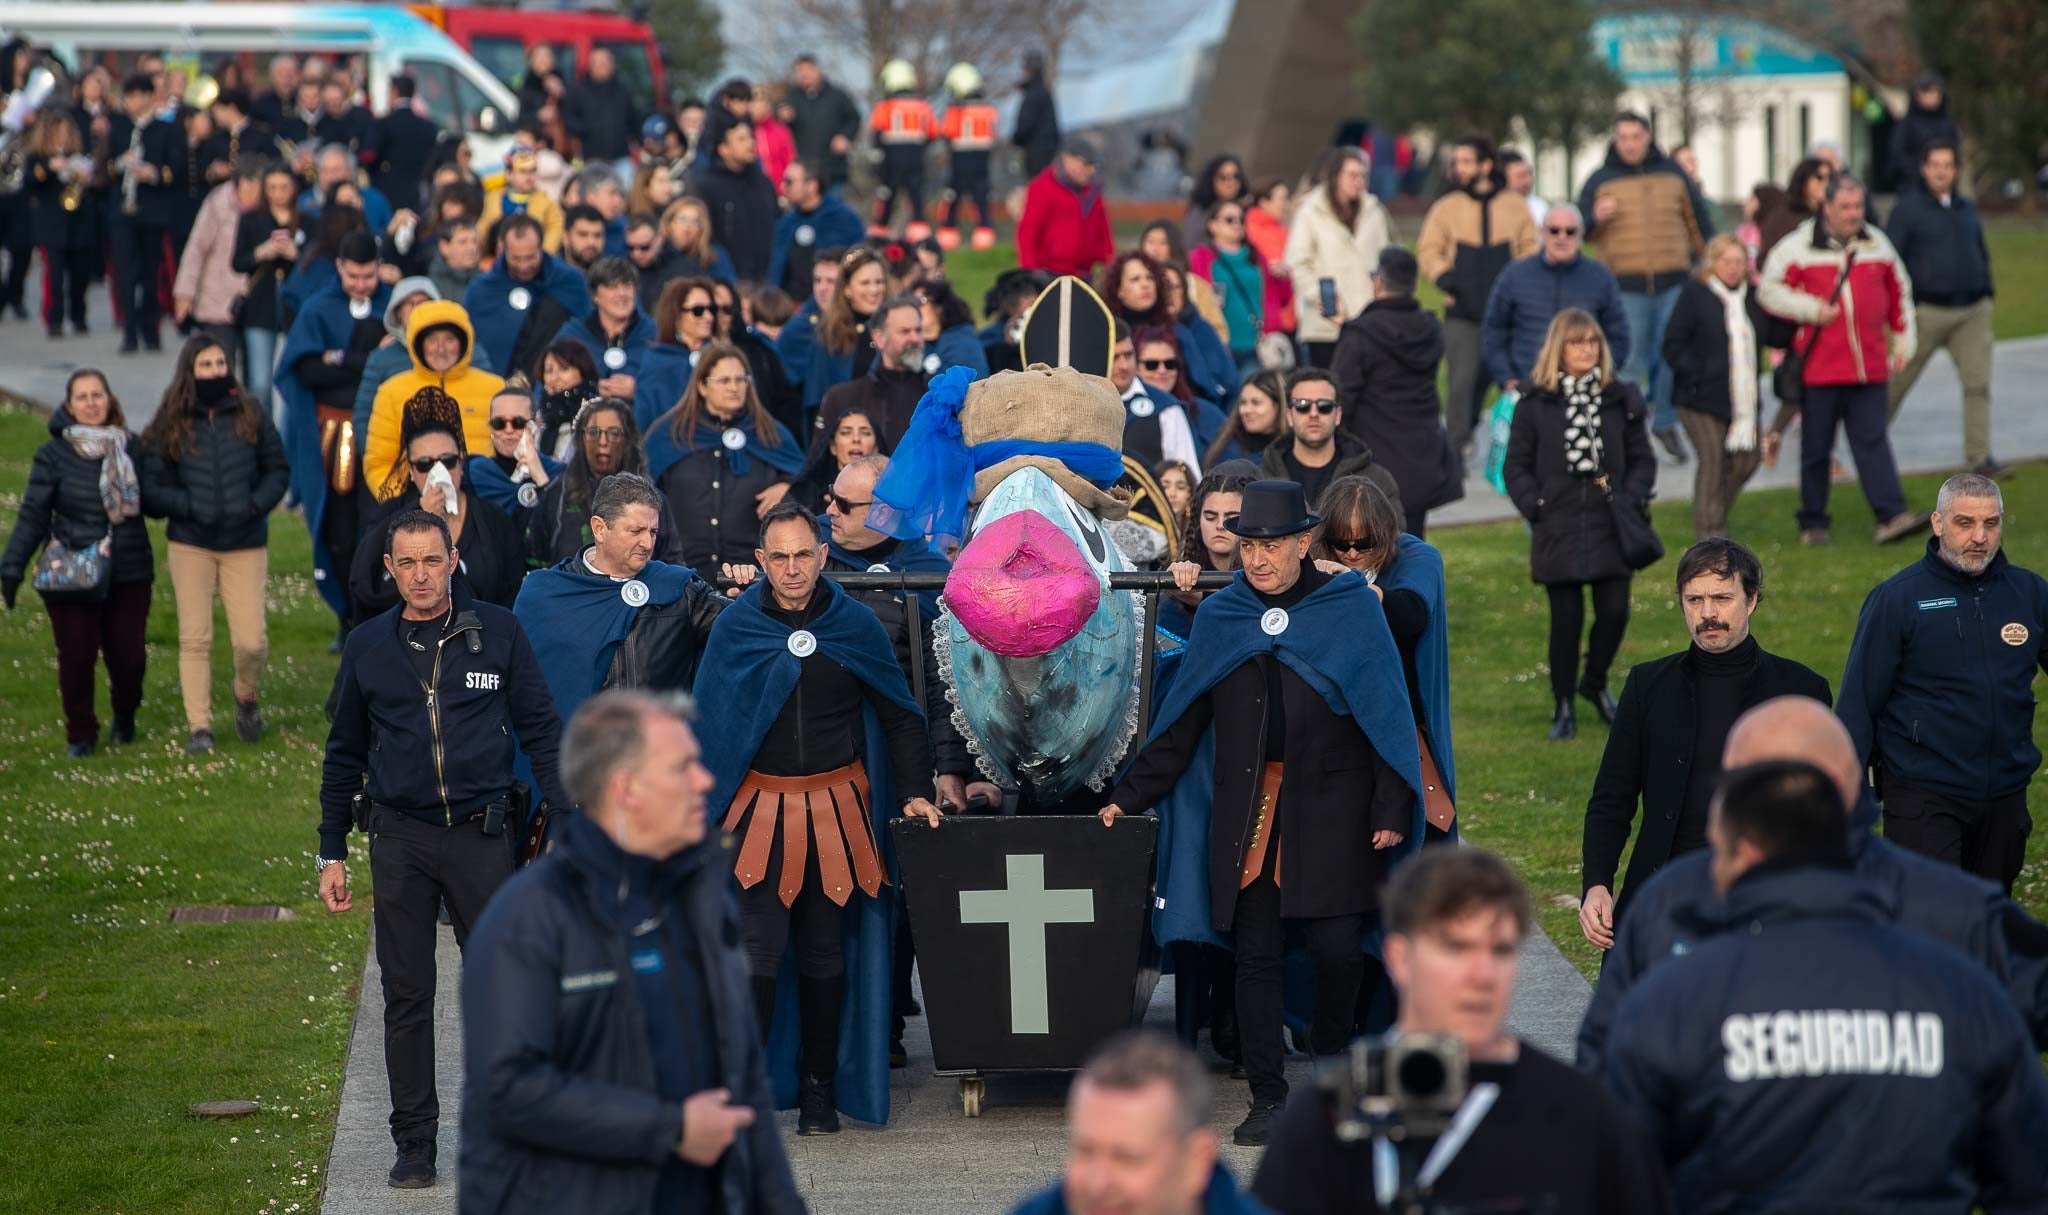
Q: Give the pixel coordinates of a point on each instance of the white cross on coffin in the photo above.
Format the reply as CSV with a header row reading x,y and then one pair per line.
x,y
1028,908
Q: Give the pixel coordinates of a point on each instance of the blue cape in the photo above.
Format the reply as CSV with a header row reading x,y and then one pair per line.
x,y
748,684
575,621
305,281
497,322
493,486
323,324
834,225
639,335
1420,568
913,556
1337,642
664,452
664,373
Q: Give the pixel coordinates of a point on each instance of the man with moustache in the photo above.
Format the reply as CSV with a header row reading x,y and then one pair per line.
x,y
888,394
1675,713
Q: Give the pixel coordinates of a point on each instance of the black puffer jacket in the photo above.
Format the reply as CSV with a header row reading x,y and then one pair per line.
x,y
1385,365
1572,535
1696,347
219,492
63,500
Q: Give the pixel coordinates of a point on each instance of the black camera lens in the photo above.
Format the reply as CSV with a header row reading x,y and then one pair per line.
x,y
1422,1074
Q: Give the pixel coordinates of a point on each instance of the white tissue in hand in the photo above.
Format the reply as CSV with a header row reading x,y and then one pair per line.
x,y
439,476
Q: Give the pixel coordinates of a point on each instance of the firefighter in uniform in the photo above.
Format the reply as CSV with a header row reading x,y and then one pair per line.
x,y
901,125
969,130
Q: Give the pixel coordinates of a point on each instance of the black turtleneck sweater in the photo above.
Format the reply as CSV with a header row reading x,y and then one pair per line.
x,y
1718,681
1276,704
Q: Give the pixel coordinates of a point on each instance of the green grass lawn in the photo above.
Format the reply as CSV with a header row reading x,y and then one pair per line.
x,y
113,1021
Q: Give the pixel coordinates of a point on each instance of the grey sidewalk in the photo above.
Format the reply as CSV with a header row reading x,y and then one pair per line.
x,y
929,1160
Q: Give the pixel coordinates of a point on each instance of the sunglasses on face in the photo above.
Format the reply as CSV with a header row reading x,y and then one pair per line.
x,y
847,505
425,464
515,421
604,434
1160,364
640,246
710,309
1304,405
1562,231
1230,219
1345,545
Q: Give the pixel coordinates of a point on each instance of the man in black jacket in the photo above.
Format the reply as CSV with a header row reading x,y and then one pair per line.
x,y
608,1029
1664,749
1037,130
739,196
1940,240
150,169
403,142
1938,691
1813,1055
1385,364
822,120
599,112
895,381
435,691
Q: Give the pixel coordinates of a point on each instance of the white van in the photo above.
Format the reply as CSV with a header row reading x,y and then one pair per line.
x,y
387,40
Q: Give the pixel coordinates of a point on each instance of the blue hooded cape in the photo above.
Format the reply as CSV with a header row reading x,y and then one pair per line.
x,y
1337,642
576,621
915,556
497,322
658,386
664,452
493,486
639,335
742,693
1420,568
323,324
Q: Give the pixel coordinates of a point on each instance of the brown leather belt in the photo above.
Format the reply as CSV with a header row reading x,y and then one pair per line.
x,y
338,447
831,808
1265,825
1436,800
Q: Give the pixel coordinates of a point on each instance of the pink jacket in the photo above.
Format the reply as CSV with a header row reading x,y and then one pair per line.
x,y
777,147
206,274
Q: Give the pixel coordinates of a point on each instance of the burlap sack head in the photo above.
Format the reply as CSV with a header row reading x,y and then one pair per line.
x,y
1044,404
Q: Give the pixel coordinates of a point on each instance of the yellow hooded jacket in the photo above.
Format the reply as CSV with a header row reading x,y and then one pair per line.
x,y
472,389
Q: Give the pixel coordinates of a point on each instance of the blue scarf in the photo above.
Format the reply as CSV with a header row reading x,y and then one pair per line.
x,y
498,323
746,680
493,485
576,620
658,387
664,452
1337,642
1420,568
323,324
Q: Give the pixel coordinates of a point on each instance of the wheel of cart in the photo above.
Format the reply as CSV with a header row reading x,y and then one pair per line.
x,y
1033,938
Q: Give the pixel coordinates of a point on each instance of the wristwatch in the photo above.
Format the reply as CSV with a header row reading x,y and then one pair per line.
x,y
320,863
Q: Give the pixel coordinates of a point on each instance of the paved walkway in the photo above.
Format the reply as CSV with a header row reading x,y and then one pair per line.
x,y
929,1160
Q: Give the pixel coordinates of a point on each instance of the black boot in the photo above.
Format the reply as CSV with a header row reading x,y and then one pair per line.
x,y
818,1005
1603,703
1565,724
123,729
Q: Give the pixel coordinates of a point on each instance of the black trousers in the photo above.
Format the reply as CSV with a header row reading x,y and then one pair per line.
x,y
1318,354
67,272
138,263
414,865
1414,522
1568,623
812,920
1334,948
17,237
1987,838
902,173
969,183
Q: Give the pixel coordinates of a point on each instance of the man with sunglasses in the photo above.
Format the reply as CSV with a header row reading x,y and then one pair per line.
x,y
1319,449
1530,293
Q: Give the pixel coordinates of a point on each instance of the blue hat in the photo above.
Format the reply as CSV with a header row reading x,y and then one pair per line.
x,y
656,127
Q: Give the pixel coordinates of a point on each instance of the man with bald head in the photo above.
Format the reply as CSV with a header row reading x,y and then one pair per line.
x,y
1679,907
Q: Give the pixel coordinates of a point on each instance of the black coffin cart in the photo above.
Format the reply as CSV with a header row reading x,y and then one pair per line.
x,y
1033,938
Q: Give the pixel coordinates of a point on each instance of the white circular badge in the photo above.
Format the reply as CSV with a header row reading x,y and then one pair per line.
x,y
634,592
519,298
529,494
878,568
806,235
1274,622
932,365
734,438
802,643
359,309
1142,407
614,357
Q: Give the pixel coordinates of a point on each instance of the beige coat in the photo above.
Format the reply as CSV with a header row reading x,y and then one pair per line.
x,y
1320,247
206,272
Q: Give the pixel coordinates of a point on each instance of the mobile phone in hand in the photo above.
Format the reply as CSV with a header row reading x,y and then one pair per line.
x,y
1328,289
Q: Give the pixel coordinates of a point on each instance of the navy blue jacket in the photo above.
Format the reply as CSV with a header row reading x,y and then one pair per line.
x,y
1677,907
1223,1197
1814,1056
1942,248
559,1108
444,755
799,237
1529,293
1938,693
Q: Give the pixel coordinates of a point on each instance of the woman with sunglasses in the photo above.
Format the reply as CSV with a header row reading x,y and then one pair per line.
x,y
1229,262
685,321
722,461
1258,418
214,468
1361,533
1222,180
491,560
603,441
513,473
1575,427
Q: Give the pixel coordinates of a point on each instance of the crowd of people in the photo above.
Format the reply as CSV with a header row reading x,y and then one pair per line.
x,y
533,428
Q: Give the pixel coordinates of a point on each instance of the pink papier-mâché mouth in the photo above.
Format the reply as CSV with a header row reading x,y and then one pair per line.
x,y
1021,587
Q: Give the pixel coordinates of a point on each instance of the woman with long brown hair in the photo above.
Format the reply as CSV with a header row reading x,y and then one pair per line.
x,y
832,346
722,459
685,321
1339,230
54,178
1258,419
604,441
1206,544
213,468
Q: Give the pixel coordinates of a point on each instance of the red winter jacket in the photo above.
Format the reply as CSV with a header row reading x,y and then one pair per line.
x,y
1063,231
1877,315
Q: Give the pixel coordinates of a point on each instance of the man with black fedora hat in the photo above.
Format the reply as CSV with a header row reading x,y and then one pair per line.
x,y
1291,678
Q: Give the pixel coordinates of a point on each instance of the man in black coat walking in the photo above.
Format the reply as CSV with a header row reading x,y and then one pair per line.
x,y
1675,714
823,121
600,113
1385,366
739,196
403,142
608,1024
1038,120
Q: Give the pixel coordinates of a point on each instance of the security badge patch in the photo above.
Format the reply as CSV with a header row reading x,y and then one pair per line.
x,y
2014,634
